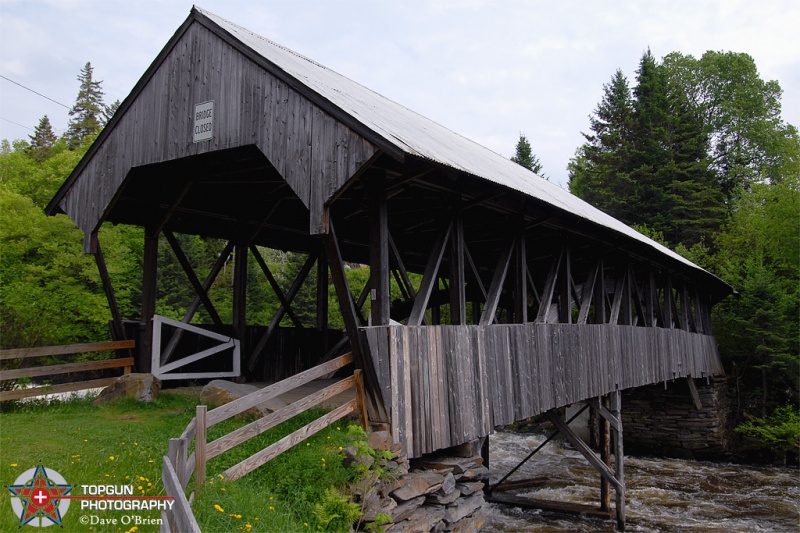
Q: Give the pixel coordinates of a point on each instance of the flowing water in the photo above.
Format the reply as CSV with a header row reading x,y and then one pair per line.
x,y
662,494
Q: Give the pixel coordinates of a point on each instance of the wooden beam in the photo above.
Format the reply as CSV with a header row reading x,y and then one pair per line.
x,y
351,321
239,314
118,332
565,288
458,297
276,319
496,287
429,278
149,288
322,298
165,218
550,287
276,288
200,291
584,449
587,294
520,278
619,460
698,403
378,251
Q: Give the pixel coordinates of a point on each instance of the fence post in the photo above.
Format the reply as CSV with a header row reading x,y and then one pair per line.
x,y
361,397
200,446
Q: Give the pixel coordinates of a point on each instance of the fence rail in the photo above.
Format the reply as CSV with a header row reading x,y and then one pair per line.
x,y
179,465
66,368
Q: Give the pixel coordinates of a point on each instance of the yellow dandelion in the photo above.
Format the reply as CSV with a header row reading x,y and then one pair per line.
x,y
211,482
123,445
150,461
135,443
270,499
340,448
218,508
271,508
140,487
248,526
222,489
85,440
323,459
111,458
221,476
305,524
141,478
308,444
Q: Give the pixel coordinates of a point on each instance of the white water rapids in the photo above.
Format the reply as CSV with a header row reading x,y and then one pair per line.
x,y
662,494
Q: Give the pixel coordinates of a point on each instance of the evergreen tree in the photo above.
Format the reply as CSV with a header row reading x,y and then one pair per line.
x,y
600,171
42,140
88,113
646,162
524,156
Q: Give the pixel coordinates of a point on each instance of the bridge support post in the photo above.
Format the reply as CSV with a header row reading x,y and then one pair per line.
x,y
619,458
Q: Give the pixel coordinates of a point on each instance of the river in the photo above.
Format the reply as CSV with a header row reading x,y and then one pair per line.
x,y
662,494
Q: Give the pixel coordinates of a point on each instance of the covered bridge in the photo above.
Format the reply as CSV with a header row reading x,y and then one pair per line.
x,y
529,298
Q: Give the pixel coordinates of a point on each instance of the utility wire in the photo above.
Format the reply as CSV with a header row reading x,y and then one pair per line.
x,y
34,92
17,124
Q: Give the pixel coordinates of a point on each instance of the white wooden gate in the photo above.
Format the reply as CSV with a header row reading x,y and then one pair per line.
x,y
164,371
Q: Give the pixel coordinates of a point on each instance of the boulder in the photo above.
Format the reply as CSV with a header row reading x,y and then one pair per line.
x,y
141,387
219,392
417,484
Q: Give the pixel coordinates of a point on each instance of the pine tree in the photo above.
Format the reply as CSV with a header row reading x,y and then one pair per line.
x,y
88,113
600,171
524,156
42,141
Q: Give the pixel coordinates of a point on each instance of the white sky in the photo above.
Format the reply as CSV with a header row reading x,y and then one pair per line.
x,y
487,70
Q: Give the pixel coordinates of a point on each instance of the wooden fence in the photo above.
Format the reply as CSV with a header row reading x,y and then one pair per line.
x,y
67,368
179,465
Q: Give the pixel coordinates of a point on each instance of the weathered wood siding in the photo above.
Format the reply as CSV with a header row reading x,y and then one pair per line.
x,y
447,385
315,153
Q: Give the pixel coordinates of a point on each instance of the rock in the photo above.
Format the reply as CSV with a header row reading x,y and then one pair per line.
x,y
439,498
404,510
469,487
141,387
417,484
373,506
458,465
469,524
422,521
464,507
219,392
380,440
478,472
449,484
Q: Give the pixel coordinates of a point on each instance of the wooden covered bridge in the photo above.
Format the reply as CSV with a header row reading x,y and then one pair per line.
x,y
527,298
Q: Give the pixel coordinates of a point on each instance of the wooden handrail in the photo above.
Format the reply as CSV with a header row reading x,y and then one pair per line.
x,y
66,368
24,353
236,407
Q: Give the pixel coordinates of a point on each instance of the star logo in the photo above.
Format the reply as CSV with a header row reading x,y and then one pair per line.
x,y
38,494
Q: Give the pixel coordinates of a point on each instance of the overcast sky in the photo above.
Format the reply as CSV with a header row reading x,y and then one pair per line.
x,y
487,70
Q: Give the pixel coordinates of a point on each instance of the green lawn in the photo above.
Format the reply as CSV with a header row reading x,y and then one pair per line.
x,y
123,444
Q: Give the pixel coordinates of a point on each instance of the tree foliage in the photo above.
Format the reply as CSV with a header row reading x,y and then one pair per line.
x,y
750,143
524,156
645,161
89,112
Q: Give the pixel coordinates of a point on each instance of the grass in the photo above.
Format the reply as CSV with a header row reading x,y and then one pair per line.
x,y
123,443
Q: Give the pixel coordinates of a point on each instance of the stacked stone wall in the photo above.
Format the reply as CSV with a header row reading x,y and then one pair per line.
x,y
666,422
431,493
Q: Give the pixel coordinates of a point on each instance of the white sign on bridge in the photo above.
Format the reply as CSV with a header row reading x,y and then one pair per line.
x,y
203,121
